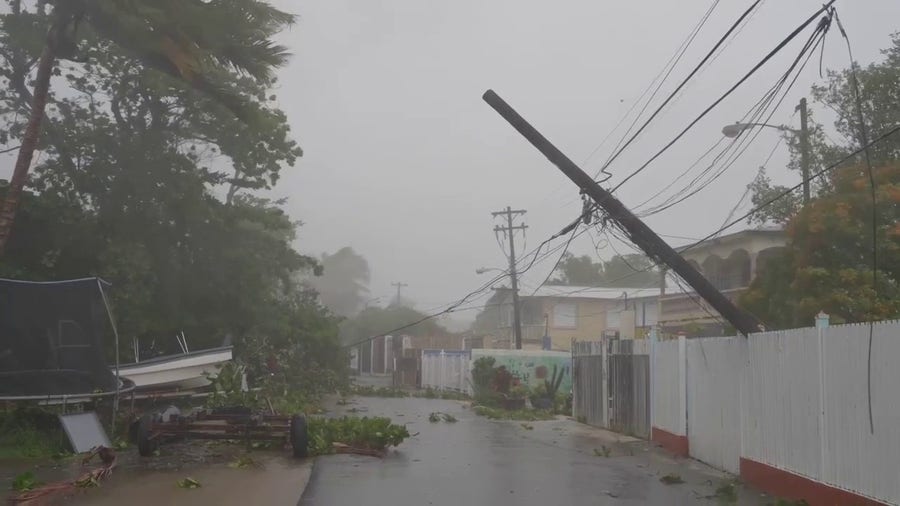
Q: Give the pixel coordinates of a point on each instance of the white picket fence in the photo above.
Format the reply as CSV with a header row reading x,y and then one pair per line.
x,y
794,400
446,370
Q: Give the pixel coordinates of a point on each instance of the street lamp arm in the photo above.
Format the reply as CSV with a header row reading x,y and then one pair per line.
x,y
736,129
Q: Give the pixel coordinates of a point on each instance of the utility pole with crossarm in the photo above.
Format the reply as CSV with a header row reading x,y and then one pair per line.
x,y
510,230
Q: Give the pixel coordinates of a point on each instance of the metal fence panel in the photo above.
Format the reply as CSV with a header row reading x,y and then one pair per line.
x,y
715,369
588,390
446,370
669,407
854,457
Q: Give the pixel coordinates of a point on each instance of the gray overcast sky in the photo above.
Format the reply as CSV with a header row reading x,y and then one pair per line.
x,y
404,161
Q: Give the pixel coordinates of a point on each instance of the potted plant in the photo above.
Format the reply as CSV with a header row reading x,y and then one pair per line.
x,y
515,400
545,395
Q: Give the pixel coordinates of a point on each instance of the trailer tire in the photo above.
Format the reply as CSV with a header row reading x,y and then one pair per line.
x,y
299,437
146,446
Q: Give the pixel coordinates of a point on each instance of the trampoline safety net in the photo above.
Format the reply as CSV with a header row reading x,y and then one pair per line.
x,y
51,338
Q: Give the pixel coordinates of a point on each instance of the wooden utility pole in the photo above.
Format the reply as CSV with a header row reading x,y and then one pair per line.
x,y
510,230
639,233
804,148
400,286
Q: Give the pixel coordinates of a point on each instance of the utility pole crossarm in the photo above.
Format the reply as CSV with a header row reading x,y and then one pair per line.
x,y
510,230
638,232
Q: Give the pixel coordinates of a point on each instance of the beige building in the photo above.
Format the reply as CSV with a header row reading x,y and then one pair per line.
x,y
564,313
730,262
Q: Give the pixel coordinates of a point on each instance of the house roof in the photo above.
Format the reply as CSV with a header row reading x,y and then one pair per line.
x,y
764,230
604,293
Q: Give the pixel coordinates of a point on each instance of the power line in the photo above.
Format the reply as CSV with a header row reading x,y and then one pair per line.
x,y
673,62
706,111
681,85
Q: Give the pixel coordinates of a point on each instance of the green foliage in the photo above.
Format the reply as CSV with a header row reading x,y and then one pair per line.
x,y
365,433
30,432
528,415
437,416
552,385
671,479
430,393
227,388
372,391
150,184
188,483
627,271
603,451
726,493
25,481
375,321
827,263
343,283
483,372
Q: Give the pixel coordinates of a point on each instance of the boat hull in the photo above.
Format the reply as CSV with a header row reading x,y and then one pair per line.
x,y
183,372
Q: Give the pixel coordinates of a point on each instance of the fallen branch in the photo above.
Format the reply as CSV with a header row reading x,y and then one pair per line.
x,y
355,450
88,479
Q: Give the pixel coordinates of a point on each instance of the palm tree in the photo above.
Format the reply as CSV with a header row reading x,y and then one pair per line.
x,y
190,40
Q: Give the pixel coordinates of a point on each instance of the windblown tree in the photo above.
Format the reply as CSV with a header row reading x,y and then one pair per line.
x,y
192,41
620,271
150,181
343,283
828,263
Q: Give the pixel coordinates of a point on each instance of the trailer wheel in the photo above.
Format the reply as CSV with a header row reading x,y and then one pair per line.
x,y
299,436
146,446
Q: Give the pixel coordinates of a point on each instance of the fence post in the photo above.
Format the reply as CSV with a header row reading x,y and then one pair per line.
x,y
682,383
823,441
441,370
653,338
604,381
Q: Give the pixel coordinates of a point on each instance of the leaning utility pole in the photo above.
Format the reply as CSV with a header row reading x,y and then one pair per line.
x,y
399,286
804,149
637,231
510,232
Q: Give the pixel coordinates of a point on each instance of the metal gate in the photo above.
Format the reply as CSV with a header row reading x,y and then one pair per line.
x,y
612,385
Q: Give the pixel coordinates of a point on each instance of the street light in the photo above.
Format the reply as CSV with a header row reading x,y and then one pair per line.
x,y
736,129
482,270
732,131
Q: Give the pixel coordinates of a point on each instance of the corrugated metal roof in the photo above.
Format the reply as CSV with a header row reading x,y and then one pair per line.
x,y
592,292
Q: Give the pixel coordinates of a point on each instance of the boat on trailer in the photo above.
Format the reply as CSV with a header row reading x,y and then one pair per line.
x,y
187,370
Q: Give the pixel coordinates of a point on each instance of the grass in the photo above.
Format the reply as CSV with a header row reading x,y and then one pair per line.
x,y
31,433
524,415
726,493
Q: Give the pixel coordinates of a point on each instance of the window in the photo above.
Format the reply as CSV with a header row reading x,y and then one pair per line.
x,y
612,318
565,315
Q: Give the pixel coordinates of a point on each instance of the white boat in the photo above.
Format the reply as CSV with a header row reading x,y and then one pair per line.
x,y
184,371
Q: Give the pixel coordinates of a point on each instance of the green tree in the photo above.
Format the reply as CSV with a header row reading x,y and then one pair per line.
x,y
827,265
376,321
343,283
878,84
193,41
628,271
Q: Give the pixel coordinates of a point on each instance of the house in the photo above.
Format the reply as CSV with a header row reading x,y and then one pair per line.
x,y
564,313
730,262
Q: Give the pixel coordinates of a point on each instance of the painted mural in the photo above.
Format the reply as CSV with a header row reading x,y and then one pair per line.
x,y
530,366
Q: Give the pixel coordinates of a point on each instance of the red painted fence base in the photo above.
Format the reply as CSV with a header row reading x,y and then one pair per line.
x,y
671,442
787,485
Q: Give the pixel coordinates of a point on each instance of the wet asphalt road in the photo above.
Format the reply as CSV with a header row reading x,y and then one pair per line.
x,y
477,461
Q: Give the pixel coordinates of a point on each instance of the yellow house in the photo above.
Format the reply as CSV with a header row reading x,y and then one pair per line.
x,y
564,313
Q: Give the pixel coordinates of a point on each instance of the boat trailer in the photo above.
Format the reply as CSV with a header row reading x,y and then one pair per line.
x,y
236,424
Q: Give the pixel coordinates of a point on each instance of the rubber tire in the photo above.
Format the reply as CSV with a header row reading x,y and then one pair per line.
x,y
299,437
146,446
